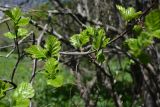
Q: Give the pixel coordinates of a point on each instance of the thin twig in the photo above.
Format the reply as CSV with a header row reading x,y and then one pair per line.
x,y
35,60
4,20
33,70
76,53
19,56
15,68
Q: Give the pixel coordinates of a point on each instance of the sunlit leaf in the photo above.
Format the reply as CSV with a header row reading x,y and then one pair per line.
x,y
22,31
16,13
57,82
84,37
79,40
100,40
152,20
75,41
23,21
36,52
129,13
53,46
24,91
89,31
22,102
51,67
10,35
156,34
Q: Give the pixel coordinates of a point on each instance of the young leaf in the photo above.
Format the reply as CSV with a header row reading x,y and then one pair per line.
x,y
57,82
22,31
156,34
22,102
89,31
100,56
100,40
23,21
10,35
137,45
134,46
51,67
24,91
129,13
75,41
53,46
152,20
97,41
137,29
84,38
36,52
79,40
145,39
16,13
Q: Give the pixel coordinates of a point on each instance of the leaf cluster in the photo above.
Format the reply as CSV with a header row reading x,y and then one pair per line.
x,y
96,37
19,22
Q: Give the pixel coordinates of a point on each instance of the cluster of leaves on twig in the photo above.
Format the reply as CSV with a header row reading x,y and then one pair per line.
x,y
96,37
145,36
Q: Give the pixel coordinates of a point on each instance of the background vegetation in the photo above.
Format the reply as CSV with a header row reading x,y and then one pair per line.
x,y
79,53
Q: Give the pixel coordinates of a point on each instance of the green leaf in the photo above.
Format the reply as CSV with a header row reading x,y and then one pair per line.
x,y
51,67
129,13
135,47
156,34
53,46
75,41
89,31
22,102
36,51
16,13
105,42
84,37
23,21
22,32
79,40
152,20
123,77
24,91
57,82
137,28
145,39
99,39
100,56
10,35
22,94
